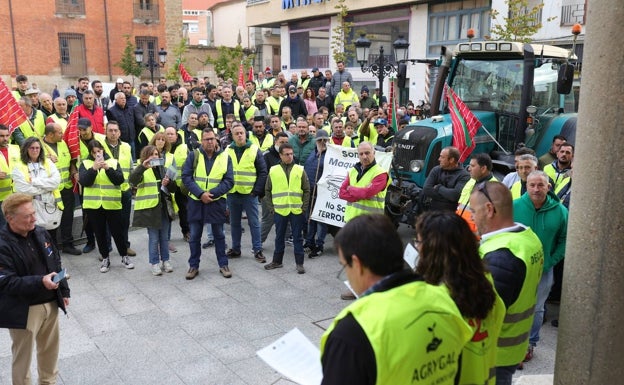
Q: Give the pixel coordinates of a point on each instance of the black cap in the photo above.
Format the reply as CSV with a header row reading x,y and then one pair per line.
x,y
259,118
84,123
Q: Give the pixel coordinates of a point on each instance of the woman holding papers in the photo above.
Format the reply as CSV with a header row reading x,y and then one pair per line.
x,y
152,206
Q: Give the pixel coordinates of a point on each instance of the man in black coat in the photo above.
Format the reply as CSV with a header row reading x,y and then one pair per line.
x,y
29,296
296,104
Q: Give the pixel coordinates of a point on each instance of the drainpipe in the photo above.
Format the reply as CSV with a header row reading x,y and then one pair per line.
x,y
13,37
108,53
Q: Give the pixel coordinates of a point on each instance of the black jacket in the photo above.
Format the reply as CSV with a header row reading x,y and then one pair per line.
x,y
17,285
443,187
296,105
125,118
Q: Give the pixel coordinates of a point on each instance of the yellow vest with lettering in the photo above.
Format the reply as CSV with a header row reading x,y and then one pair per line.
x,y
287,194
415,330
208,182
244,170
514,336
103,193
6,184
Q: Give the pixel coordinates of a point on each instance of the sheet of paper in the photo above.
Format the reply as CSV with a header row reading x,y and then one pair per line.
x,y
411,256
295,357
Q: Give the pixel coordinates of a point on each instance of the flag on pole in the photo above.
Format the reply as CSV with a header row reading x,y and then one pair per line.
x,y
250,76
72,137
465,124
393,109
184,73
241,77
11,114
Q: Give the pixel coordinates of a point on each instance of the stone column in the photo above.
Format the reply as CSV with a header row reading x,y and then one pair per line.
x,y
591,323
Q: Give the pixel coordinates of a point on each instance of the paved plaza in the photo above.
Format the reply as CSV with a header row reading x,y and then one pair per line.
x,y
129,327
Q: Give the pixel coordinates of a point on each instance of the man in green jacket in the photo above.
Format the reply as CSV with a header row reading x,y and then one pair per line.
x,y
540,209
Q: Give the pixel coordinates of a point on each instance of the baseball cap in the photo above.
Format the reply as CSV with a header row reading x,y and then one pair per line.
x,y
321,135
84,123
315,69
268,69
292,89
380,121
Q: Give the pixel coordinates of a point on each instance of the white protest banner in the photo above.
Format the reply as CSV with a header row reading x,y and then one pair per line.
x,y
329,208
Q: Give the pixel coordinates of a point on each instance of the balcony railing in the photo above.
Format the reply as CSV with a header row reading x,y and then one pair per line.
x,y
70,7
146,12
573,13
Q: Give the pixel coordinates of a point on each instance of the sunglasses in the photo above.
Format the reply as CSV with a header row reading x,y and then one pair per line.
x,y
482,188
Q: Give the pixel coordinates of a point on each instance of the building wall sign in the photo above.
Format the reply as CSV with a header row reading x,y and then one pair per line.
x,y
288,4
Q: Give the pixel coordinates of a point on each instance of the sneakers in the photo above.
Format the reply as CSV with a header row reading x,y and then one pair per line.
x,y
308,248
225,272
316,252
130,252
231,253
529,354
71,250
347,296
273,265
166,266
172,248
89,247
300,269
125,261
105,266
192,273
156,270
259,257
208,244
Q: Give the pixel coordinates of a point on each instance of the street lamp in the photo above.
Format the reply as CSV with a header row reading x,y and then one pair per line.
x,y
381,68
151,63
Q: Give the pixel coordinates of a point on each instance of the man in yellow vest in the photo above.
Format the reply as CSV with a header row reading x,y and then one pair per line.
x,y
288,196
259,136
9,156
401,330
250,175
365,186
226,106
58,152
515,258
480,170
525,165
559,170
208,181
60,115
34,126
122,152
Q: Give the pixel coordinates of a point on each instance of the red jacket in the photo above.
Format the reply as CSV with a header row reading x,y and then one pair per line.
x,y
96,117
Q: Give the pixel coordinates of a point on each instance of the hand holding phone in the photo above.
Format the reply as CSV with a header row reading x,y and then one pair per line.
x,y
61,275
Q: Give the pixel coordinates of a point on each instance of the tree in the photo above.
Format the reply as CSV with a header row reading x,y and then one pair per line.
x,y
521,23
178,53
341,50
228,60
128,63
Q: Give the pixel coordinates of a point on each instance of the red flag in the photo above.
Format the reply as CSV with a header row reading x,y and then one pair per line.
x,y
71,136
11,114
184,73
241,78
465,124
250,76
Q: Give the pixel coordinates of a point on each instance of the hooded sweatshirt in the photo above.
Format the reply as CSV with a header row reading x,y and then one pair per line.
x,y
550,223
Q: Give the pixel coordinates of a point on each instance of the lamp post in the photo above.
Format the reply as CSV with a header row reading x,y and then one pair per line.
x,y
381,68
151,63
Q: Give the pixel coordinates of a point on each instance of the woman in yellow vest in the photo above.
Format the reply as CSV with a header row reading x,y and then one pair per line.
x,y
37,176
101,177
147,133
150,206
449,256
159,140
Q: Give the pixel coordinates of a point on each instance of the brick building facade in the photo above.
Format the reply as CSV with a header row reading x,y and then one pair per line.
x,y
57,41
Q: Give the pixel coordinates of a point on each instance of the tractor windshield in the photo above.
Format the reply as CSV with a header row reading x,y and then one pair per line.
x,y
490,85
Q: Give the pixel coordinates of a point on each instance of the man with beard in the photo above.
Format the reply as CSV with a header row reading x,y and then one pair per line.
x,y
260,103
303,144
338,134
124,116
89,110
83,85
143,107
260,137
168,114
98,90
190,133
198,105
324,100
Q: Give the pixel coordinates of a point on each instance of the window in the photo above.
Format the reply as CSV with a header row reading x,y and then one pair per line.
x,y
573,11
382,29
193,27
309,44
149,45
72,52
70,7
146,11
449,24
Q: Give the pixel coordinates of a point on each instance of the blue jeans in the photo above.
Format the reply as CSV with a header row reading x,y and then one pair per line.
x,y
195,243
318,230
543,289
504,374
237,203
158,241
209,235
297,222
